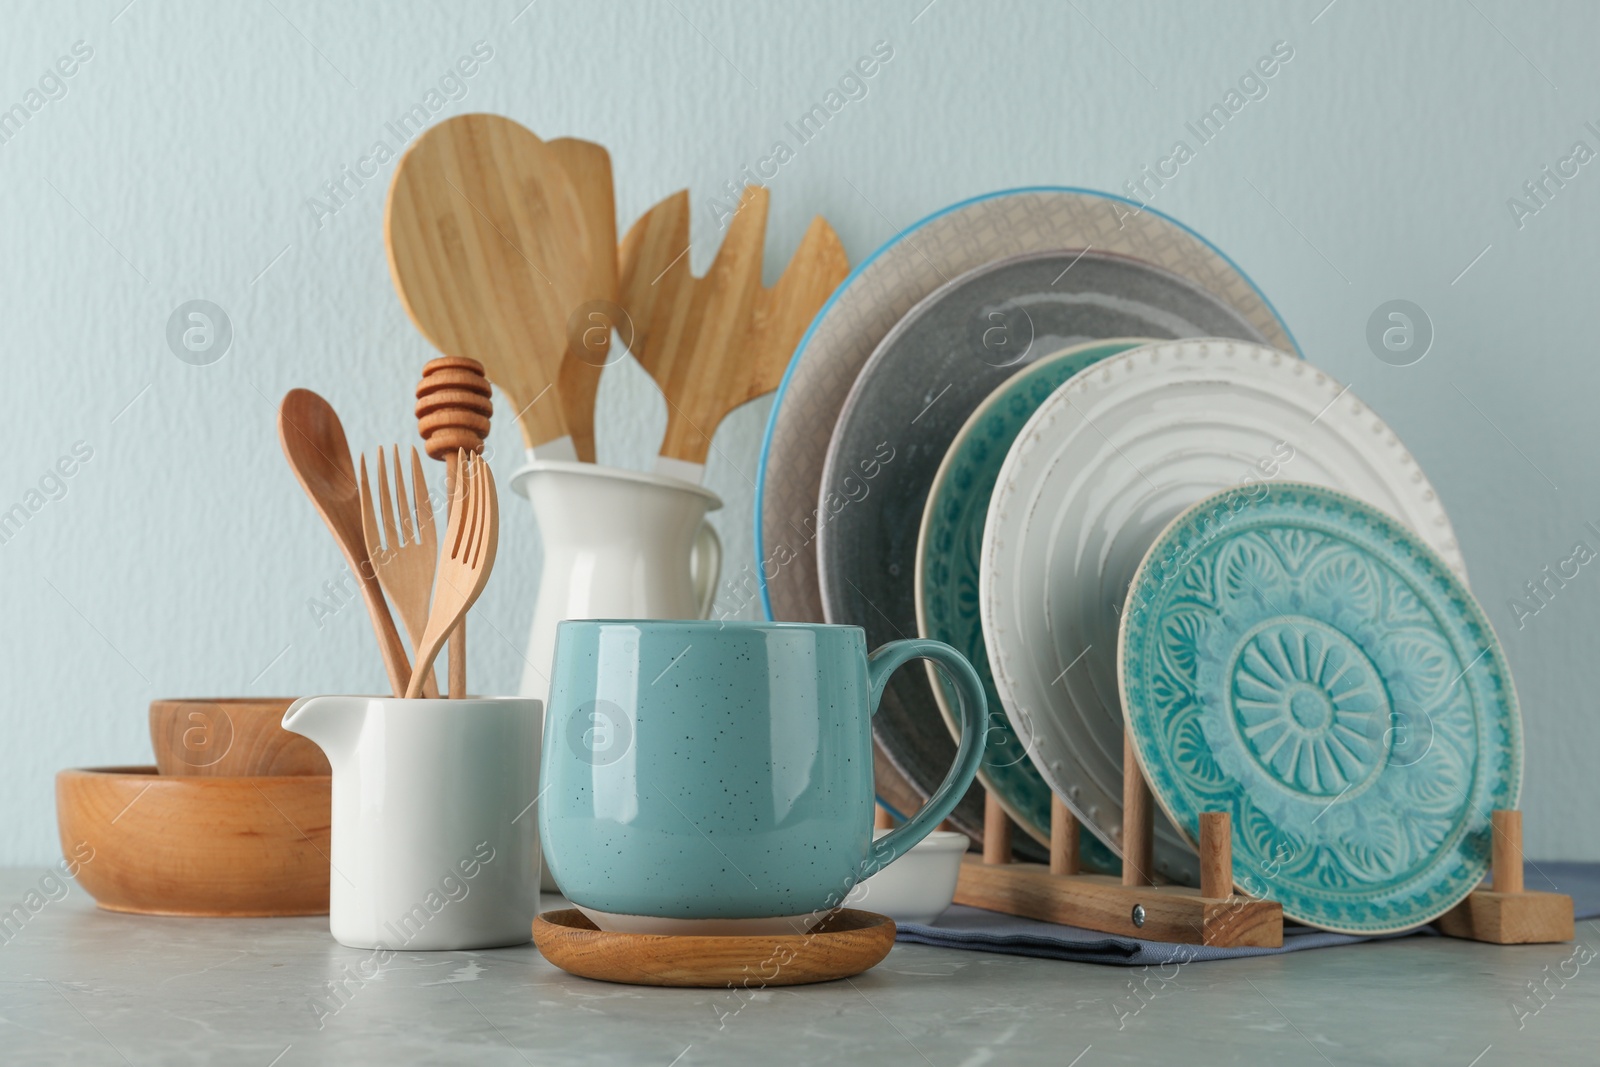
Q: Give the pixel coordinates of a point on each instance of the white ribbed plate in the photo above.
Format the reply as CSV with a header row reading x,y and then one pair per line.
x,y
1099,471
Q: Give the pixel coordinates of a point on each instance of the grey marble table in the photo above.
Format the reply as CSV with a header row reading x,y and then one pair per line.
x,y
85,987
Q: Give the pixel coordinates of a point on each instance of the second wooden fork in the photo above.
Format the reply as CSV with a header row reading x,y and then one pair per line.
x,y
405,558
471,538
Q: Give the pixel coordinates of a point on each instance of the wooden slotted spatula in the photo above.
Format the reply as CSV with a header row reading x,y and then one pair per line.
x,y
489,251
783,312
588,166
715,342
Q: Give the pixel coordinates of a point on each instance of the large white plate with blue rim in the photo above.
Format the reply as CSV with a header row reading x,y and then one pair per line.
x,y
1098,472
883,287
1304,662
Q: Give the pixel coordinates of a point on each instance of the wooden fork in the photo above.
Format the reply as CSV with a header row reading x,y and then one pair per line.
x,y
465,560
404,560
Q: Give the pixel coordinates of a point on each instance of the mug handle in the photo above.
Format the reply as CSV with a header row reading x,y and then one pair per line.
x,y
884,662
705,565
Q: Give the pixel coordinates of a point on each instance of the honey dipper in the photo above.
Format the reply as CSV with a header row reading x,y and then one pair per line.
x,y
453,409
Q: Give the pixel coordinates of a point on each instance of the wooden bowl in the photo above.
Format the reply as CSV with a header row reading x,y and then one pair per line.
x,y
842,945
155,845
230,737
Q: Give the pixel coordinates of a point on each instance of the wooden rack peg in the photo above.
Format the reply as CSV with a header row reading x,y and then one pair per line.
x,y
1216,854
1065,838
996,831
1506,914
1132,906
1138,850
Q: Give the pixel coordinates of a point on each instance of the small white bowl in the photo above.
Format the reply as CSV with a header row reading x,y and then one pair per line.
x,y
917,887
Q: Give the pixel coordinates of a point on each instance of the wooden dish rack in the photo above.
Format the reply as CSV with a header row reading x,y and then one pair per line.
x,y
1134,906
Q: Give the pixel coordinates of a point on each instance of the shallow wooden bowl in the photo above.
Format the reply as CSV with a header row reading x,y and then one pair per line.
x,y
843,945
230,737
155,845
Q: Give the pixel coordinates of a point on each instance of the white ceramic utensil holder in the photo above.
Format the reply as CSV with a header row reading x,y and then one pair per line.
x,y
435,834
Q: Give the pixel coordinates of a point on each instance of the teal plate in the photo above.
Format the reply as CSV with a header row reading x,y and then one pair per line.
x,y
948,550
1305,663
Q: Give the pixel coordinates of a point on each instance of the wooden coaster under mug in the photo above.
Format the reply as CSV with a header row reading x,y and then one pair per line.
x,y
843,945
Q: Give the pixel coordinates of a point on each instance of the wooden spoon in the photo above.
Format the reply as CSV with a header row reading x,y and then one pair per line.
x,y
488,249
588,165
715,342
314,443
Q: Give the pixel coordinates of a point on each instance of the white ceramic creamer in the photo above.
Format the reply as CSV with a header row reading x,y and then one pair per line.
x,y
617,545
435,833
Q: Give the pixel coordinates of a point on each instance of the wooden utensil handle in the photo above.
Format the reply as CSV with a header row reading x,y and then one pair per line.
x,y
395,663
458,637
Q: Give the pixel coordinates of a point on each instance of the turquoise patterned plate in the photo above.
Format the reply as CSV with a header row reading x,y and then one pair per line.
x,y
948,549
1304,662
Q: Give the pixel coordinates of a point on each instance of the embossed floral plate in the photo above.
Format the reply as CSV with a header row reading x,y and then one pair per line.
x,y
1303,661
948,544
938,363
1100,469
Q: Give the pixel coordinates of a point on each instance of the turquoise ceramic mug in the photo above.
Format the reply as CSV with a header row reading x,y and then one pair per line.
x,y
716,777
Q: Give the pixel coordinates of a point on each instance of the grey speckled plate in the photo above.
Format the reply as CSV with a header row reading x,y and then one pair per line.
x,y
909,266
927,376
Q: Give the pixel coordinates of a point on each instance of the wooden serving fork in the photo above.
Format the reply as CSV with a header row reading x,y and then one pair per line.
x,y
465,560
404,558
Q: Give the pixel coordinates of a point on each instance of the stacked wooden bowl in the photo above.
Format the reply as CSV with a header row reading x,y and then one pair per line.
x,y
233,819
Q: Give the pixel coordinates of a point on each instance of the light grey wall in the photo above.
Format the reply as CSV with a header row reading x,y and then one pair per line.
x,y
179,162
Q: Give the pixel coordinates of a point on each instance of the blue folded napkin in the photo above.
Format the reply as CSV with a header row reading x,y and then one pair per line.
x,y
991,931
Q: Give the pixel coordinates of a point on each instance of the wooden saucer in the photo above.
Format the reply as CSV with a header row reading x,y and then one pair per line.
x,y
845,944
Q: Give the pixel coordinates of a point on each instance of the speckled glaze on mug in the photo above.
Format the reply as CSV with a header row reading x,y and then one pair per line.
x,y
717,776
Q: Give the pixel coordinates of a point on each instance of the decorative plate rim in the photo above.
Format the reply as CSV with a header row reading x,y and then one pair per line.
x,y
1439,572
1118,345
1007,495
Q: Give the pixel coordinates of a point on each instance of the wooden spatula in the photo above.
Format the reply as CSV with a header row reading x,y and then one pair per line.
x,y
784,311
715,342
588,166
489,251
